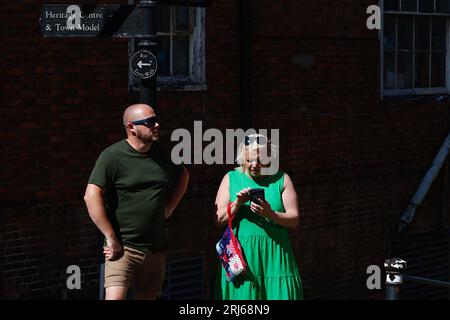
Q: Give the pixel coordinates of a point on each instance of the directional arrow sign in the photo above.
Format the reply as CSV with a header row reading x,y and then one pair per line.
x,y
144,64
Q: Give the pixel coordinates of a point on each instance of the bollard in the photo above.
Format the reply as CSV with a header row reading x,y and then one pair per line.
x,y
395,268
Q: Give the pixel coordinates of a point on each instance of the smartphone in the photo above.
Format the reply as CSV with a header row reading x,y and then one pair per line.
x,y
255,194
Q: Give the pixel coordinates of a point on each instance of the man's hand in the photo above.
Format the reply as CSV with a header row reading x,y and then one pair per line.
x,y
113,249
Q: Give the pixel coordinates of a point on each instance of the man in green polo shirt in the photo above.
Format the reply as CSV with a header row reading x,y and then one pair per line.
x,y
133,188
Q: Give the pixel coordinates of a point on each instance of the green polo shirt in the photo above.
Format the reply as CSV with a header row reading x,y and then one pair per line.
x,y
137,186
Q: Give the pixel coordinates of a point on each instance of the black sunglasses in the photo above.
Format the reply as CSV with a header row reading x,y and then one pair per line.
x,y
259,140
148,122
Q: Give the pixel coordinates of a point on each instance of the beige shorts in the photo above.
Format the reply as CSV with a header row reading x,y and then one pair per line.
x,y
144,271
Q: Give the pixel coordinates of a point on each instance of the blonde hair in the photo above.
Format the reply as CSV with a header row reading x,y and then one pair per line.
x,y
272,150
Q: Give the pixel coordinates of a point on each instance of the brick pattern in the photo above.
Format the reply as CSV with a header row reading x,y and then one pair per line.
x,y
355,161
39,243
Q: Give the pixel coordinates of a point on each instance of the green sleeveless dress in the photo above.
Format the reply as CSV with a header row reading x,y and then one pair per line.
x,y
272,271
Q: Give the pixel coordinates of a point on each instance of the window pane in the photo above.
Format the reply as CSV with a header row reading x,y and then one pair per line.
x,y
404,70
181,55
409,5
391,5
389,70
438,70
422,33
164,56
422,70
439,27
163,18
389,33
182,21
426,5
443,6
405,32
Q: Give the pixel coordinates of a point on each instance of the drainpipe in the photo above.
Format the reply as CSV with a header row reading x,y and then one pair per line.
x,y
424,186
144,90
148,86
245,32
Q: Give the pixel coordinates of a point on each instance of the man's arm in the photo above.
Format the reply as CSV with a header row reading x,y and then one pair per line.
x,y
95,204
177,193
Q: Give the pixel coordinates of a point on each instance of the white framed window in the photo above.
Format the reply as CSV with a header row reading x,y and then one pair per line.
x,y
414,45
181,55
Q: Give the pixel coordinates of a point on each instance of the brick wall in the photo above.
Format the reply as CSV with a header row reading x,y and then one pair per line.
x,y
62,99
355,161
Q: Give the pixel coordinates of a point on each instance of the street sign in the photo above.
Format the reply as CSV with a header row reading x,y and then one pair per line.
x,y
120,21
107,20
144,64
135,21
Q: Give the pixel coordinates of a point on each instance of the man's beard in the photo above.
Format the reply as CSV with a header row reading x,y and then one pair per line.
x,y
149,139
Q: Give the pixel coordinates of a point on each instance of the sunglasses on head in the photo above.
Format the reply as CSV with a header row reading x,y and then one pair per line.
x,y
258,139
148,122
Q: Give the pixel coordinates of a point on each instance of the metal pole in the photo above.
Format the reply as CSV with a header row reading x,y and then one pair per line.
x,y
424,186
432,282
245,34
147,87
395,268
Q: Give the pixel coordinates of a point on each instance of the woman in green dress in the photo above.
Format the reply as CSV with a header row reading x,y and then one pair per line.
x,y
261,228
